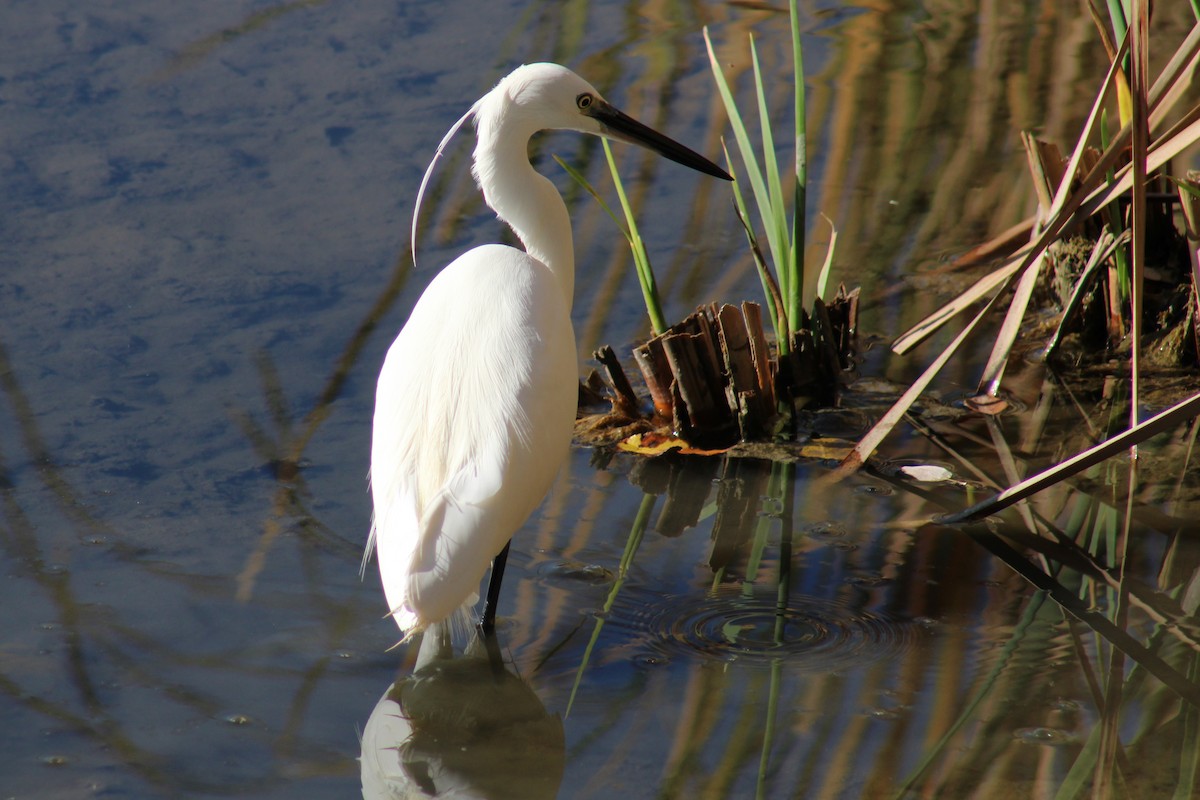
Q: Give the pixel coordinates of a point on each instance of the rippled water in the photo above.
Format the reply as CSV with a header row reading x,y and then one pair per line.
x,y
202,261
815,635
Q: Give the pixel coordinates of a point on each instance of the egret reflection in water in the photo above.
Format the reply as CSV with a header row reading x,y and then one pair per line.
x,y
463,727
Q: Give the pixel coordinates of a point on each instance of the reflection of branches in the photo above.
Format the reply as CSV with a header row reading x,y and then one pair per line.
x,y
1183,411
286,450
1010,648
85,634
1076,548
195,52
80,629
1113,697
105,733
39,454
1101,624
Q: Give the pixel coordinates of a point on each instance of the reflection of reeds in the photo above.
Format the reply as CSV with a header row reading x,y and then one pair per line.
x,y
1084,565
96,645
938,142
285,451
1031,703
631,546
195,52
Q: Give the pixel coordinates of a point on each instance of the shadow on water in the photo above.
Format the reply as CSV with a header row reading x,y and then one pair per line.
x,y
462,726
200,277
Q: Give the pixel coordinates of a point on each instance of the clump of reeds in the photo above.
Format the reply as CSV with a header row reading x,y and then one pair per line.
x,y
1115,243
715,378
1105,191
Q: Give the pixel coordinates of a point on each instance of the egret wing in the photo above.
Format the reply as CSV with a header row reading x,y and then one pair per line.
x,y
473,417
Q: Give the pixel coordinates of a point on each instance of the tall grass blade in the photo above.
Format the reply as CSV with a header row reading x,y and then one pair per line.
x,y
994,370
800,200
1139,45
979,290
827,267
1011,327
754,175
1120,28
785,237
1116,221
1175,78
874,437
1183,135
628,228
1106,246
640,258
587,186
770,287
775,222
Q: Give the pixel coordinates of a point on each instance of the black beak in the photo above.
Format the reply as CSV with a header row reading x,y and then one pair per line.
x,y
619,125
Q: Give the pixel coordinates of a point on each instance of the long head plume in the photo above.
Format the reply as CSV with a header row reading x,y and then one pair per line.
x,y
429,174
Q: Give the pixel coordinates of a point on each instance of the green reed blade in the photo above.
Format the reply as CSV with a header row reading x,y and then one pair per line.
x,y
770,288
800,200
827,267
775,220
641,260
758,186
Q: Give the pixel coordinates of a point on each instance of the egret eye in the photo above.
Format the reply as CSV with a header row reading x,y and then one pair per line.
x,y
584,101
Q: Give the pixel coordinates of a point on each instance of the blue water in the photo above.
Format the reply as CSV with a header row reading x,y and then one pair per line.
x,y
201,206
203,232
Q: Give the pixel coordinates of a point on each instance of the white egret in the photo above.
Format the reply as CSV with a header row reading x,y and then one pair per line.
x,y
476,400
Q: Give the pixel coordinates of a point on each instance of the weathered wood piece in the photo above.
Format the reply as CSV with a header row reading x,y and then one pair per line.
x,y
624,400
702,411
749,391
714,378
656,372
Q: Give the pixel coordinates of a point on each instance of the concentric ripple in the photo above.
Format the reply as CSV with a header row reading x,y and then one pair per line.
x,y
813,634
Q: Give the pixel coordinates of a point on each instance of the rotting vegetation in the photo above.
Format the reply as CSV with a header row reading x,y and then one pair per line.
x,y
1102,278
1136,291
714,380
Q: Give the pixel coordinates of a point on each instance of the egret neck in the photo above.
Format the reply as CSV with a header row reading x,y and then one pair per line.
x,y
524,198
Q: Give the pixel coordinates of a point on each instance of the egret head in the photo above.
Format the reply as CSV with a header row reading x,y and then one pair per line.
x,y
537,97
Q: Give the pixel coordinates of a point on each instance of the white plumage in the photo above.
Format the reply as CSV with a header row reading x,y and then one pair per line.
x,y
476,399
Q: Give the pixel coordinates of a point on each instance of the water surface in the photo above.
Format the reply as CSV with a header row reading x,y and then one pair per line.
x,y
203,259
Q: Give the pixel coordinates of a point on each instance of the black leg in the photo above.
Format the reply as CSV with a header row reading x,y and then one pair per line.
x,y
488,625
